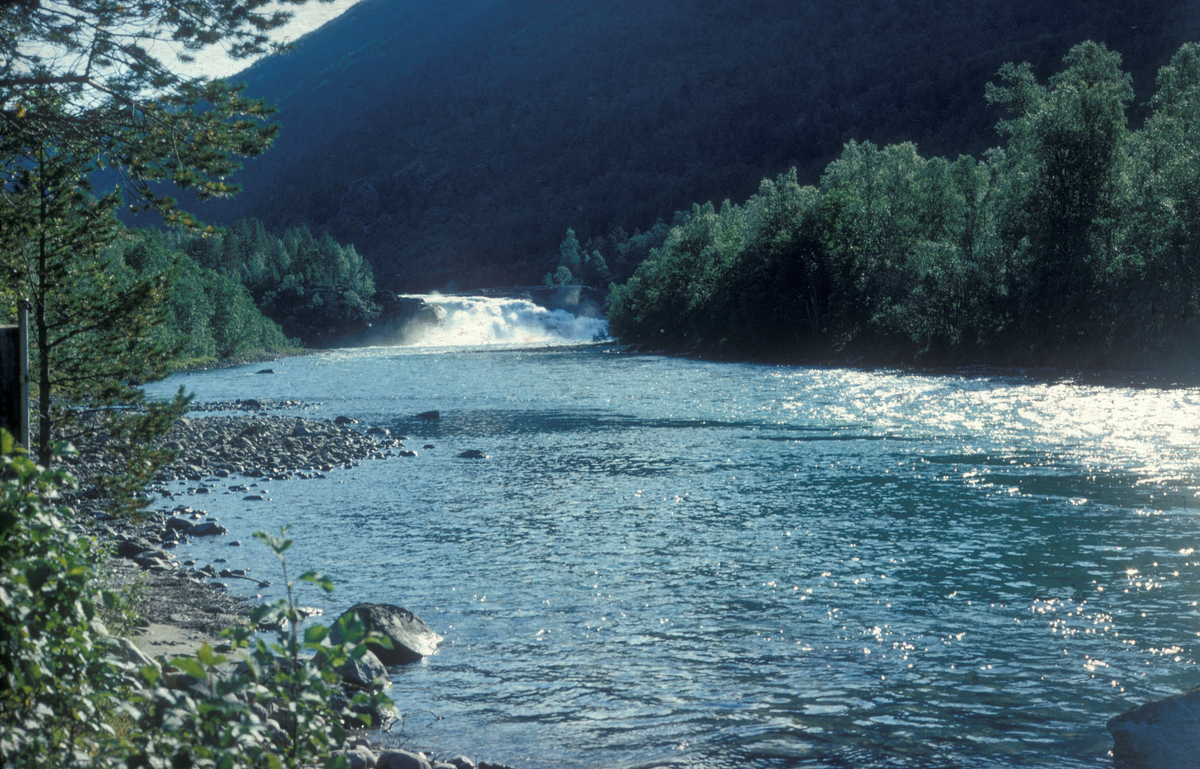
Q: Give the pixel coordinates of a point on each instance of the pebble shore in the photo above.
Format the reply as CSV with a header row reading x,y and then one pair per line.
x,y
237,440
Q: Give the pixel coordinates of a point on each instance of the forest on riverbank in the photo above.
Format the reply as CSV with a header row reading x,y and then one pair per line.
x,y
453,143
1074,244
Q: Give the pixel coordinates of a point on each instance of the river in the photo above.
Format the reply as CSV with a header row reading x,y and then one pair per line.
x,y
670,562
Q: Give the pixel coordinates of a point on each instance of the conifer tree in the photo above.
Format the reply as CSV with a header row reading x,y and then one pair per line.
x,y
85,86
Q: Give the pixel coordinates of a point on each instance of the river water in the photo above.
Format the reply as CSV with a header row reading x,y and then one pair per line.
x,y
671,562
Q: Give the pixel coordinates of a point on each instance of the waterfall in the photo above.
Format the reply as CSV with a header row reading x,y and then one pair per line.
x,y
479,320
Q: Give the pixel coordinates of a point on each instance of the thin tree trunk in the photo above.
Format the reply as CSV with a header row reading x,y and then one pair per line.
x,y
42,333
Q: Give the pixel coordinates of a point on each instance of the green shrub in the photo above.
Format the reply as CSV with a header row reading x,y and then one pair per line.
x,y
68,696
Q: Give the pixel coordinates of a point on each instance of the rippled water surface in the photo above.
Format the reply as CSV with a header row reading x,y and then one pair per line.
x,y
674,562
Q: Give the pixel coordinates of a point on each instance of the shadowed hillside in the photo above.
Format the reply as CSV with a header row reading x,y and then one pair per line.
x,y
454,142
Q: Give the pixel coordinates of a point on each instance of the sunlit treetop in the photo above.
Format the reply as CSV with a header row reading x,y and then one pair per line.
x,y
93,80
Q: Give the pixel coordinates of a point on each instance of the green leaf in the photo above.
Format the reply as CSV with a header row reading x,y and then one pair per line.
x,y
278,545
205,655
190,666
337,762
351,628
150,673
379,639
320,580
316,634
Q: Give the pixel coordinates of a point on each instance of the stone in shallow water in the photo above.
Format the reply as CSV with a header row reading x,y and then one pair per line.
x,y
411,638
1163,734
179,524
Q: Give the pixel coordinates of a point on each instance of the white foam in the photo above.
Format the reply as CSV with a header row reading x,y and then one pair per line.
x,y
476,321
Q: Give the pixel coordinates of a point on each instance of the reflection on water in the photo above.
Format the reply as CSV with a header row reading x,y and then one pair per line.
x,y
671,562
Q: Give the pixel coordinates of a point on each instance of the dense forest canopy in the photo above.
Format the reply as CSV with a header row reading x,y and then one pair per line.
x,y
1076,244
453,143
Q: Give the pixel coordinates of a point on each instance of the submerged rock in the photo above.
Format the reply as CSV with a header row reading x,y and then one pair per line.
x,y
472,454
428,415
411,638
1163,734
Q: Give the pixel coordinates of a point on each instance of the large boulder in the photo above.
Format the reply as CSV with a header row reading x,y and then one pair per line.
x,y
1163,734
411,638
401,759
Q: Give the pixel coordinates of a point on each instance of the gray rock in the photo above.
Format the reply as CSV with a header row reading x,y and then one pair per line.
x,y
208,529
379,431
462,762
411,638
125,651
359,758
150,558
428,415
401,759
178,524
129,548
1163,734
365,673
490,765
345,421
472,454
266,371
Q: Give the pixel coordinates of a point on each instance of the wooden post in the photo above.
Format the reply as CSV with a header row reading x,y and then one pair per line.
x,y
14,377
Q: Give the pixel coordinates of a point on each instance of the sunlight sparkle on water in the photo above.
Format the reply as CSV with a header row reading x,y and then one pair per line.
x,y
714,548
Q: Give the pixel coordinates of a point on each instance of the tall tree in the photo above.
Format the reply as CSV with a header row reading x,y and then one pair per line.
x,y
1164,207
84,88
1066,147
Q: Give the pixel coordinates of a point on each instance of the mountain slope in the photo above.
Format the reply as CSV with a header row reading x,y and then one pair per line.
x,y
453,142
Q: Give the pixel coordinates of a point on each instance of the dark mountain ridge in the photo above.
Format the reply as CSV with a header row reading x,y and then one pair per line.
x,y
454,142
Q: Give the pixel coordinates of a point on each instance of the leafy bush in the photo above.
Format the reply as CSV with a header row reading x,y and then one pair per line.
x,y
56,684
70,695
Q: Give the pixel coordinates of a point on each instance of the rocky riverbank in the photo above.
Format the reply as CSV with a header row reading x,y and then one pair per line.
x,y
182,604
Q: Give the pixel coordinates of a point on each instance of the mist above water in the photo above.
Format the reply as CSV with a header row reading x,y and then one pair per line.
x,y
478,320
